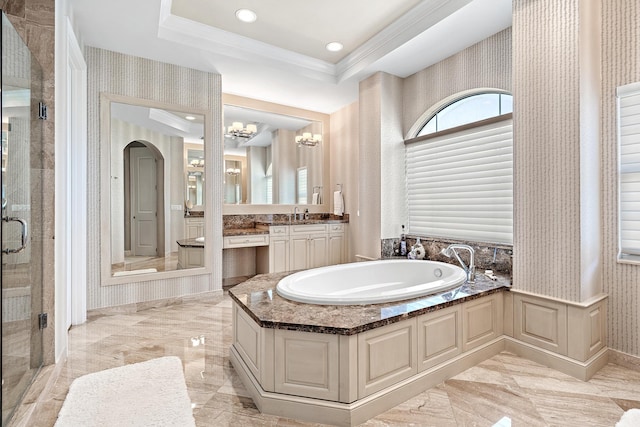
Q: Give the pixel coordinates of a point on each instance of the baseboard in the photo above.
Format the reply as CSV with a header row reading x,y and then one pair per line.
x,y
38,394
135,307
344,414
624,359
580,370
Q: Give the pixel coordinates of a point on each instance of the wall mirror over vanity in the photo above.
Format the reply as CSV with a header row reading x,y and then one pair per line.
x,y
276,163
271,158
155,156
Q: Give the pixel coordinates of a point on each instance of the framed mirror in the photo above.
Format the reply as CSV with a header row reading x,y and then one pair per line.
x,y
274,157
155,179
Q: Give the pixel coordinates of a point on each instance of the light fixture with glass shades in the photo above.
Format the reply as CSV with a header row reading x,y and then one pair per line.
x,y
237,130
233,171
308,140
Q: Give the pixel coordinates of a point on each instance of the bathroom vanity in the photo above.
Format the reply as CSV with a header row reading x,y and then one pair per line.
x,y
345,364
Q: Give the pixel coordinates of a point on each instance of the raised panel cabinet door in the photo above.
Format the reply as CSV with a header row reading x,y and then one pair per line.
x,y
336,249
278,255
318,251
299,252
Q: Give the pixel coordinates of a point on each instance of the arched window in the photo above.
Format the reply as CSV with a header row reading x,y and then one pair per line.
x,y
460,171
469,109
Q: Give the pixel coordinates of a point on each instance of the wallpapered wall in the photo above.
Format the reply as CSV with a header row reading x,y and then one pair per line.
x,y
620,66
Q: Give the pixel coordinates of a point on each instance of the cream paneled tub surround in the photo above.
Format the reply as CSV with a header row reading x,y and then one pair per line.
x,y
342,365
370,283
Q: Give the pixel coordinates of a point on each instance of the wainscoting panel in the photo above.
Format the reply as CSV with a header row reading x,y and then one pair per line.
x,y
541,322
385,356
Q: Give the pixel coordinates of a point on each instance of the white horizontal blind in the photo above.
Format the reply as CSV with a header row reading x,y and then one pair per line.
x,y
302,186
629,169
460,185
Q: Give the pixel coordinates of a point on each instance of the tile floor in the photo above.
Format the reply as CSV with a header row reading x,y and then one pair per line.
x,y
506,390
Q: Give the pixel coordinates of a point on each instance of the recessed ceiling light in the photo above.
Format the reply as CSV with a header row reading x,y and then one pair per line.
x,y
190,118
246,15
334,47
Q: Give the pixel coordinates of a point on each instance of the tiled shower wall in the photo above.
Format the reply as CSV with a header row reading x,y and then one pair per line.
x,y
34,21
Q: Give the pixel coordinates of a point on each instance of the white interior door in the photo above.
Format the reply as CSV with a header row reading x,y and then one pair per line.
x,y
144,221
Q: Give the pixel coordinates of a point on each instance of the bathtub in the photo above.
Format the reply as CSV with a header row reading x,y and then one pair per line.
x,y
371,282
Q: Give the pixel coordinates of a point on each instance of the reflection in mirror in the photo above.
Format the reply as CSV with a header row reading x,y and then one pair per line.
x,y
194,196
271,158
157,190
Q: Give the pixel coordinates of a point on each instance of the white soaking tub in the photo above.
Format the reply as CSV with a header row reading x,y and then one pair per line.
x,y
370,282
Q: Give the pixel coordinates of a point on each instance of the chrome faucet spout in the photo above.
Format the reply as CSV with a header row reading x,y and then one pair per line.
x,y
470,269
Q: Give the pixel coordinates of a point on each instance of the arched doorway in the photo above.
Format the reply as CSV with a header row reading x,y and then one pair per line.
x,y
143,200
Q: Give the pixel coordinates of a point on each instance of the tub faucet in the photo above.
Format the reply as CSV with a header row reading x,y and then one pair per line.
x,y
471,269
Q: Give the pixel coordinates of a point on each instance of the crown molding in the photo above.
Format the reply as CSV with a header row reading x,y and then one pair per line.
x,y
416,21
185,31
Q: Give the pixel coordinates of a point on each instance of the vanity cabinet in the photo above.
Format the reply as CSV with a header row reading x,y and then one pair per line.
x,y
304,246
309,246
337,244
194,227
190,257
278,248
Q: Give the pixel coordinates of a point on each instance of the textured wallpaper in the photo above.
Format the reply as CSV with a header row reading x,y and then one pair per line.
x,y
546,91
620,66
121,74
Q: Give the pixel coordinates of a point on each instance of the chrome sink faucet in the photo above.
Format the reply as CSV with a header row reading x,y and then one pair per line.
x,y
295,213
470,269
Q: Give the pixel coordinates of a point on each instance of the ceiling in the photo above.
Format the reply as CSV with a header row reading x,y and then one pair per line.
x,y
281,57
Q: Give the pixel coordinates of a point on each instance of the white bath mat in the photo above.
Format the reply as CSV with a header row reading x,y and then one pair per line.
x,y
151,393
631,418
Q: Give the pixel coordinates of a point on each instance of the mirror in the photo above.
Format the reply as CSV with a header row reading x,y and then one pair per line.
x,y
157,189
272,158
194,180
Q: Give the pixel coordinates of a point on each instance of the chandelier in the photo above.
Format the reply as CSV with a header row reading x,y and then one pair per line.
x,y
237,130
308,140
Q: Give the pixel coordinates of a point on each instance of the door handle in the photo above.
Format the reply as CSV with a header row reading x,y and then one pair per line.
x,y
23,245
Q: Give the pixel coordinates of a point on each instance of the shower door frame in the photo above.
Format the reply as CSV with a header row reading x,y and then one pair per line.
x,y
22,231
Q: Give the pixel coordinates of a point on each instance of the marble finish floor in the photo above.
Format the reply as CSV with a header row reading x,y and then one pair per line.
x,y
505,390
131,263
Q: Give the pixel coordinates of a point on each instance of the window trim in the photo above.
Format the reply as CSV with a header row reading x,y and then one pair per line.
x,y
460,128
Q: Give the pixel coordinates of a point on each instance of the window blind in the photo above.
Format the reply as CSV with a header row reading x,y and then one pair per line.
x,y
629,170
302,186
460,185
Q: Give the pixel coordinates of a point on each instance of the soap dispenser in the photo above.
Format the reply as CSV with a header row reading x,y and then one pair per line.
x,y
419,249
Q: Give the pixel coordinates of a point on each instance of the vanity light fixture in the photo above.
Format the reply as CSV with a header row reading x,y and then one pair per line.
x,y
237,130
334,47
246,15
233,171
308,140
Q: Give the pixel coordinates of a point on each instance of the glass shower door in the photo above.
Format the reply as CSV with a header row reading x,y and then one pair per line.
x,y
21,234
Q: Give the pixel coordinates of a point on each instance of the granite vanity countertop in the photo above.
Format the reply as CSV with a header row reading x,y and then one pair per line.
x,y
303,221
259,299
190,243
244,231
195,214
